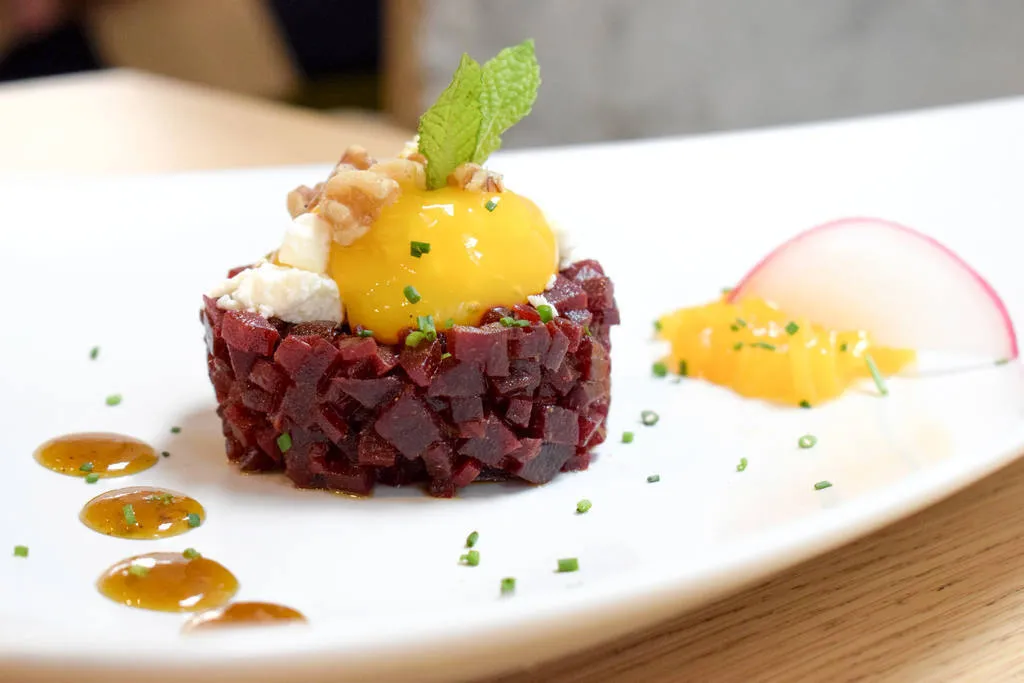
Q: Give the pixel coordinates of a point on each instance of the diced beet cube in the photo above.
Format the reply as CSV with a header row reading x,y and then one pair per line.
x,y
581,317
467,409
292,354
578,462
557,348
255,460
597,438
594,362
266,438
472,429
456,379
519,411
465,472
530,342
610,316
421,363
441,488
241,362
527,451
600,293
375,451
588,426
243,422
524,312
266,376
438,460
356,348
408,426
249,332
369,392
556,425
584,394
588,269
383,361
320,328
566,295
344,476
497,442
495,315
547,464
572,330
486,347
563,379
214,314
257,399
333,422
310,360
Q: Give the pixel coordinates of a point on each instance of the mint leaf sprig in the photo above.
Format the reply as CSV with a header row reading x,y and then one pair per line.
x,y
482,102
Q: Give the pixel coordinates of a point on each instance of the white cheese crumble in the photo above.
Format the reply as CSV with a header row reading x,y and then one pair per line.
x,y
291,294
306,244
551,282
538,300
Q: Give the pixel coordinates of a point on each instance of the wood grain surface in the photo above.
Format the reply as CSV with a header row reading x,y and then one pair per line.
x,y
938,596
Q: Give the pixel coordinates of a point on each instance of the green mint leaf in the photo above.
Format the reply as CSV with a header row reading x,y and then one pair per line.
x,y
449,129
510,83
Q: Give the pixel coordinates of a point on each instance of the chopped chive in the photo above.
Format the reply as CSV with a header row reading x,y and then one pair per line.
x,y
512,322
129,515
414,338
471,558
657,326
191,554
682,368
726,290
568,564
659,369
284,442
92,478
627,437
445,355
449,323
1002,361
138,570
86,467
653,478
742,466
546,313
737,346
586,331
114,399
807,441
418,249
94,353
792,328
764,345
740,322
365,333
411,295
583,506
175,430
649,418
805,404
491,205
163,498
21,551
823,484
194,520
472,539
844,346
165,454
876,375
734,328
508,586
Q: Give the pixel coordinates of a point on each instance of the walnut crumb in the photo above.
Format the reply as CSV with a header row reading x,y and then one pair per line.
x,y
353,199
476,178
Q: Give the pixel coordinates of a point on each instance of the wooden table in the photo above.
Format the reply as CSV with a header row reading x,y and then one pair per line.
x,y
936,597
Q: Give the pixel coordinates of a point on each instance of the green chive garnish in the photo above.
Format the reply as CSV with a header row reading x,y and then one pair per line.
x,y
682,368
508,586
284,442
194,520
586,331
649,418
491,205
1002,361
653,479
472,539
764,345
844,346
414,338
449,323
805,404
114,399
418,249
175,430
191,554
740,322
734,328
471,558
737,346
129,515
512,322
425,323
445,355
94,353
657,326
163,498
138,570
742,466
21,551
659,369
165,454
792,328
546,313
807,441
568,564
92,478
876,375
365,333
726,290
627,437
411,295
86,467
583,506
822,485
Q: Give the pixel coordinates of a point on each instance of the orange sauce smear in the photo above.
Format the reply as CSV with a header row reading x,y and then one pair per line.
x,y
243,614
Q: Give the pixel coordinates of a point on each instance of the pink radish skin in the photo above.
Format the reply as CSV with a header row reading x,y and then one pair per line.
x,y
905,288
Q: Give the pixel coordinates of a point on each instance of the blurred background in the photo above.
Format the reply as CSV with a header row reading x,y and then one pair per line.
x,y
613,69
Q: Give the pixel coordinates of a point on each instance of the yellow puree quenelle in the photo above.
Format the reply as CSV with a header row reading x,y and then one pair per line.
x,y
761,352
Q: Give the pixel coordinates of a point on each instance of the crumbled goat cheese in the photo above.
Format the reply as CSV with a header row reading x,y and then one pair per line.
x,y
538,300
291,294
307,244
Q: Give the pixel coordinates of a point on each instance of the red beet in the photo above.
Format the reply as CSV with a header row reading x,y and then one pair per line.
x,y
483,403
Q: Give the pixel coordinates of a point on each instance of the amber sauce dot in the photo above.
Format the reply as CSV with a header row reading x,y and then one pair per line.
x,y
243,614
168,582
105,455
155,513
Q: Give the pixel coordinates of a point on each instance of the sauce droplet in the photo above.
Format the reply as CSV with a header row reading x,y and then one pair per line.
x,y
105,455
142,512
243,614
168,582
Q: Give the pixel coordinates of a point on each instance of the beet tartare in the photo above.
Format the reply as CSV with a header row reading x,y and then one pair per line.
x,y
419,322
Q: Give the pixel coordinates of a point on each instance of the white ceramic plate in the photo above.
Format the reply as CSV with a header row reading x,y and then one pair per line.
x,y
121,263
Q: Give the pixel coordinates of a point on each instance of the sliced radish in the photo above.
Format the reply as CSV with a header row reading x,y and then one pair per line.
x,y
905,288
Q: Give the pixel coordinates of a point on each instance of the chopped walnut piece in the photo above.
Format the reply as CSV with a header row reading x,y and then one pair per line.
x,y
357,157
411,151
352,200
475,178
402,170
301,198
